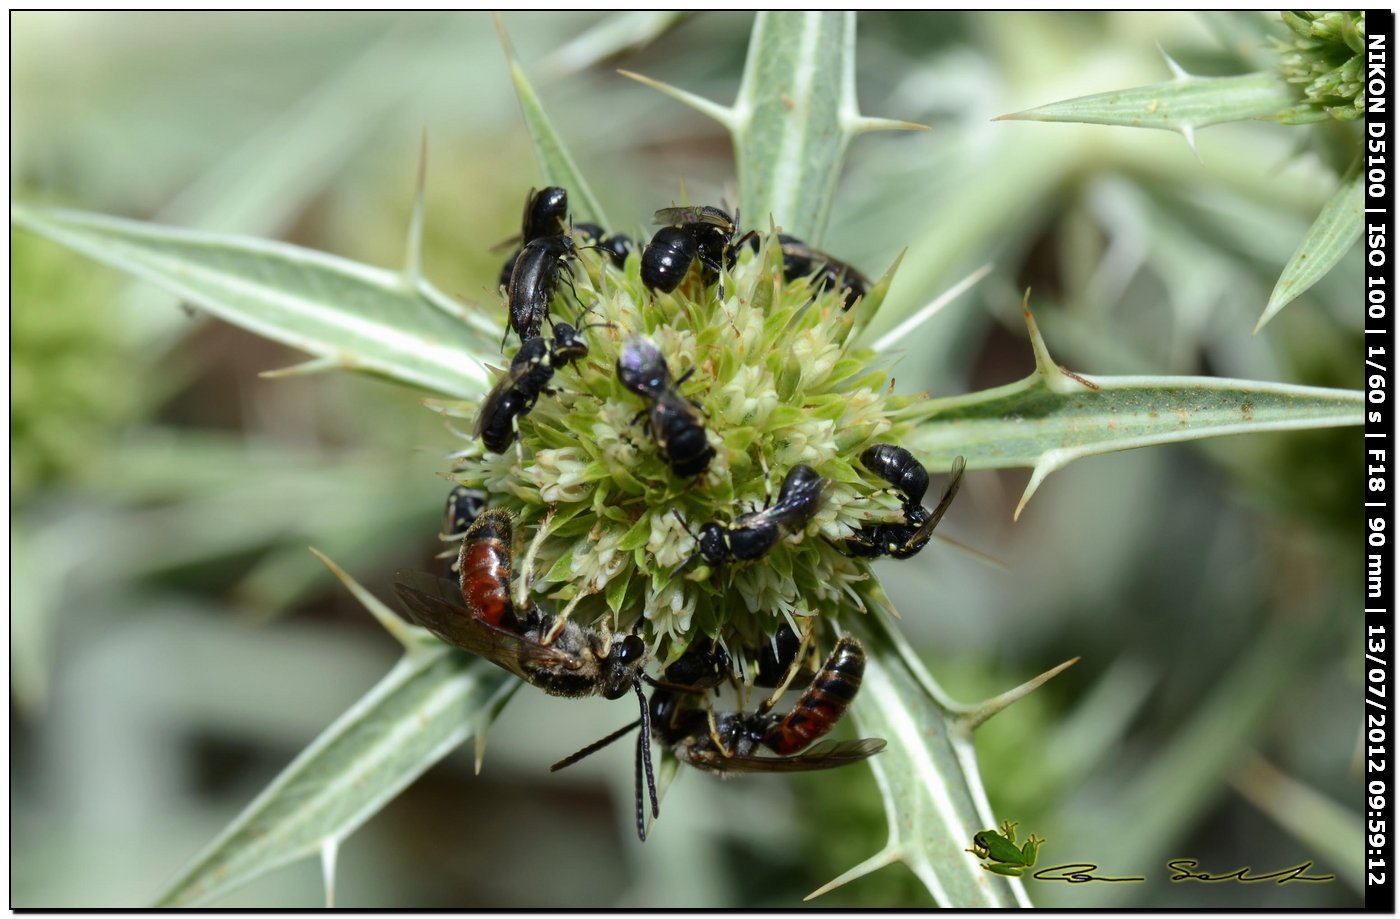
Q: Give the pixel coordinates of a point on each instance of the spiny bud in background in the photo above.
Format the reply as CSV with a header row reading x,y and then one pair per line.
x,y
1325,58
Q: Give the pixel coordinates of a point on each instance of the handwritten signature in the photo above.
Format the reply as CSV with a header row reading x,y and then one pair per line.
x,y
1182,872
1181,868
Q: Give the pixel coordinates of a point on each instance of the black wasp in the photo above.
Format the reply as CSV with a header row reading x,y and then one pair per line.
x,y
753,535
675,422
688,234
732,742
906,538
614,245
530,372
801,260
546,214
475,613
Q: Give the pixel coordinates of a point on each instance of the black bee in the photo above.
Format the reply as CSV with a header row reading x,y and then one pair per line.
x,y
776,655
753,535
533,281
476,614
546,214
801,260
730,742
675,423
464,505
688,234
907,538
703,666
530,372
615,245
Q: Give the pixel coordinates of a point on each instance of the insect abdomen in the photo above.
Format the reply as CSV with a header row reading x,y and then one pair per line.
x,y
824,702
485,568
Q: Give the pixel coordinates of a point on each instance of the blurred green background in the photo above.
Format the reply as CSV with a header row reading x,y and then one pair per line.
x,y
174,645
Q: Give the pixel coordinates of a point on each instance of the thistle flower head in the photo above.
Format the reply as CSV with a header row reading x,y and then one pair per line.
x,y
1325,59
777,382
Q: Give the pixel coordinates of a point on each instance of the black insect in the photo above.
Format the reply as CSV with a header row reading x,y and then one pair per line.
x,y
530,372
905,538
464,505
703,666
676,424
801,260
533,281
753,535
731,742
546,214
615,245
476,614
776,655
689,234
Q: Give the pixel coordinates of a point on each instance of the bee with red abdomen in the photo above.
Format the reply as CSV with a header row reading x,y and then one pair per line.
x,y
731,742
483,568
824,702
475,613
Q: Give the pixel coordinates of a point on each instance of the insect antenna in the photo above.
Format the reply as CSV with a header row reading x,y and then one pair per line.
x,y
593,747
644,751
677,570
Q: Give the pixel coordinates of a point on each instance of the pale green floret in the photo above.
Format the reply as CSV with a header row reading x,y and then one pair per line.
x,y
1325,59
779,386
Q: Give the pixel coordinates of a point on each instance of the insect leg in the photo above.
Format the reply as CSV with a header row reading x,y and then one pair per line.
x,y
792,668
562,619
527,566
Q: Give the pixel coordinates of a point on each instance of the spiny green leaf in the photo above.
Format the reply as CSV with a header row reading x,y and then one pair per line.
x,y
414,717
1182,104
1055,416
1334,231
927,775
555,162
351,316
795,114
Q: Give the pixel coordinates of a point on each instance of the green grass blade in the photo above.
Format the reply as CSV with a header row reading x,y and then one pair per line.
x,y
1053,417
1167,796
426,706
348,315
1334,231
555,162
1182,104
1332,830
